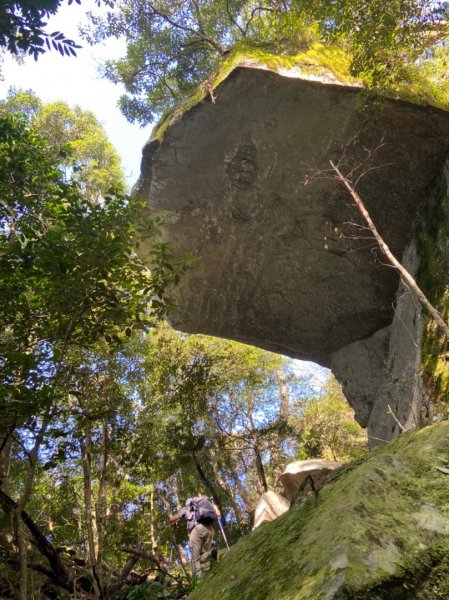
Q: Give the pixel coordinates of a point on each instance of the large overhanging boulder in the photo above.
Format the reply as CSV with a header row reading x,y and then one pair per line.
x,y
284,265
242,180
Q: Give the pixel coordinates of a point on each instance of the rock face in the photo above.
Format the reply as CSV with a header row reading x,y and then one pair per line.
x,y
381,375
297,473
378,530
269,507
284,265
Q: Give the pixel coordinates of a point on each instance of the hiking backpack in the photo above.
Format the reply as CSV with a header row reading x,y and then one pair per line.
x,y
203,509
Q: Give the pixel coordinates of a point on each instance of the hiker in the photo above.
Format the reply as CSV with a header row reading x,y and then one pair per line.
x,y
200,513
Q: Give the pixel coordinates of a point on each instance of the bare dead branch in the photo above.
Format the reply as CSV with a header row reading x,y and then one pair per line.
x,y
409,280
233,21
213,43
402,428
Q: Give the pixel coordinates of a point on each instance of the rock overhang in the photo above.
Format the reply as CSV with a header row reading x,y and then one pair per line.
x,y
281,264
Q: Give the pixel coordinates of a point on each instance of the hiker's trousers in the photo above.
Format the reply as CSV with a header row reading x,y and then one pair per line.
x,y
200,539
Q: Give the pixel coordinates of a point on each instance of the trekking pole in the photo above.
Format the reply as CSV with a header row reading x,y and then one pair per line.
x,y
222,532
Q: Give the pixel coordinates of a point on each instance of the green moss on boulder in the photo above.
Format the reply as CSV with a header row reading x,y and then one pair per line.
x,y
433,249
326,63
379,529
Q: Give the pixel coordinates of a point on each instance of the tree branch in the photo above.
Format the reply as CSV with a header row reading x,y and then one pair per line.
x,y
216,45
387,252
61,573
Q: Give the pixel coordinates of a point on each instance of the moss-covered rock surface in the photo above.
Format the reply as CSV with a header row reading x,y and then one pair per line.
x,y
319,62
378,530
433,247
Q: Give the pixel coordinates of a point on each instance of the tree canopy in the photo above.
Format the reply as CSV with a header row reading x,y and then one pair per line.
x,y
23,27
163,418
171,47
76,140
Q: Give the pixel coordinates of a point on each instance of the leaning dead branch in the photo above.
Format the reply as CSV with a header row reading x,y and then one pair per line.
x,y
409,280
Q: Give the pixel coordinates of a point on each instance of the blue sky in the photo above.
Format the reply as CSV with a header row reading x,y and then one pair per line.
x,y
76,81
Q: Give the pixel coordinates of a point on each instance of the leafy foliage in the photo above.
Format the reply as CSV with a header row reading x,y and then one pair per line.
x,y
172,47
67,271
75,139
327,427
23,27
73,292
380,37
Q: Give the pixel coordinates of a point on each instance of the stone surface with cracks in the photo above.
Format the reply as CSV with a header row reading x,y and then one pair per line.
x,y
284,260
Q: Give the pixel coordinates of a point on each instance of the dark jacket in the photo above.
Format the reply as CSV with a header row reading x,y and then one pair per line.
x,y
188,513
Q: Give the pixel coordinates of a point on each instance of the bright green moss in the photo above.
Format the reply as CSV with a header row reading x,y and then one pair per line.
x,y
319,61
417,84
433,277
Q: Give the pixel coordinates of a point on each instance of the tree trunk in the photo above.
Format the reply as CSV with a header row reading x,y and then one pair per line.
x,y
27,491
226,489
209,487
89,511
284,404
7,532
153,540
5,461
277,452
23,556
102,505
263,485
262,480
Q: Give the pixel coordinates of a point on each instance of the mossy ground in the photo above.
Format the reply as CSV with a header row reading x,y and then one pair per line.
x,y
377,530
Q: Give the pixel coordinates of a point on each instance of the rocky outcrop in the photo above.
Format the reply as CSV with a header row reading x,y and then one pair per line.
x,y
270,506
305,475
379,529
314,472
381,375
241,180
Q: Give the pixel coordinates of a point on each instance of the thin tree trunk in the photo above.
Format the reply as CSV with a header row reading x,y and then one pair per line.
x,y
153,539
23,558
5,461
277,453
27,490
284,403
409,280
102,505
263,485
7,532
90,518
226,488
259,466
209,486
